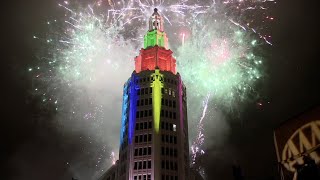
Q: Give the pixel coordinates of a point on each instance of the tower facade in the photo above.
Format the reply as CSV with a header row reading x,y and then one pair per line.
x,y
154,126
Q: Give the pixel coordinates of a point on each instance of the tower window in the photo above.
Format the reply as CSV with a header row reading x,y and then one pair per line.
x,y
174,115
150,90
145,138
140,151
142,103
149,150
150,112
145,113
135,165
144,164
150,137
145,125
140,165
146,101
150,124
145,151
149,164
138,103
150,101
174,127
141,125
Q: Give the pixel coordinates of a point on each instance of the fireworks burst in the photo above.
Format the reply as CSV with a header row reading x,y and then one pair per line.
x,y
92,45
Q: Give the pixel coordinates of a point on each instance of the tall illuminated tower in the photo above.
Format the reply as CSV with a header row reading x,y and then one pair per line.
x,y
154,127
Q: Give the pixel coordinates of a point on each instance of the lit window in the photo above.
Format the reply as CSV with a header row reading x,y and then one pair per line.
x,y
174,127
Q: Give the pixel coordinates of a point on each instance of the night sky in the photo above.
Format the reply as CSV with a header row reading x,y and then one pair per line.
x,y
37,150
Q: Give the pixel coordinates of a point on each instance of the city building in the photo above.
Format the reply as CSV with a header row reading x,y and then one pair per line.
x,y
297,144
154,126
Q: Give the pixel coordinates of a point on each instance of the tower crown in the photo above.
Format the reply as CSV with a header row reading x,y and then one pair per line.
x,y
155,53
156,21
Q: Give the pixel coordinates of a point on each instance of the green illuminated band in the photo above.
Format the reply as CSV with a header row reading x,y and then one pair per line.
x,y
156,96
155,37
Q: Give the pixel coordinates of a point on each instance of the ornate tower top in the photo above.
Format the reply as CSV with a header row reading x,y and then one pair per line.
x,y
155,53
156,21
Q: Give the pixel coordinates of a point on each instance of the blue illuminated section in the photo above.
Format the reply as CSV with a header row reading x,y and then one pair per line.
x,y
133,106
124,112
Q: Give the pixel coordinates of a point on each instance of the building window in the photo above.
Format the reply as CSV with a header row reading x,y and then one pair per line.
x,y
149,164
138,103
150,101
135,166
174,127
150,137
150,112
145,138
144,164
149,151
140,165
145,151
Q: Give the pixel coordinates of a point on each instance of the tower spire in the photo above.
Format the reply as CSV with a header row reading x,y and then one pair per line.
x,y
156,21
